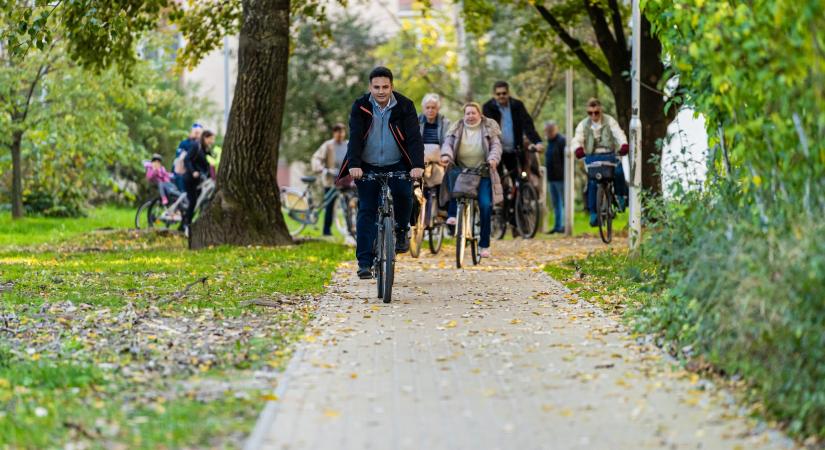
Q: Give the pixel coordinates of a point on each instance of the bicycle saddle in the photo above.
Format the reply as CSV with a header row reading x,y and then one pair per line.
x,y
308,179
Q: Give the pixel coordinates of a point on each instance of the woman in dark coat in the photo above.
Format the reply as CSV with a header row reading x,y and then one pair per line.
x,y
197,169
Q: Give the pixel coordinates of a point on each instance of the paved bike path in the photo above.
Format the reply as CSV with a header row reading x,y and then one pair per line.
x,y
495,357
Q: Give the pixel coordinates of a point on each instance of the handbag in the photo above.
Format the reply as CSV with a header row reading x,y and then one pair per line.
x,y
466,184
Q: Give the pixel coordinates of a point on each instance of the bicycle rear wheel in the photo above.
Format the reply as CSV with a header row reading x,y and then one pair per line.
x,y
605,213
475,220
296,210
460,235
436,238
349,210
142,214
389,259
527,211
378,266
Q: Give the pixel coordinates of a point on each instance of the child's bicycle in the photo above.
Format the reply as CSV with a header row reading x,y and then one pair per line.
x,y
153,214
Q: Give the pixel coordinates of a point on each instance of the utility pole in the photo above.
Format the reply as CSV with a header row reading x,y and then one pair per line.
x,y
635,133
466,91
569,168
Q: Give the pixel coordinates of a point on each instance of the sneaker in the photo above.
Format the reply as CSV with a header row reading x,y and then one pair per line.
x,y
402,242
364,273
594,220
451,221
484,252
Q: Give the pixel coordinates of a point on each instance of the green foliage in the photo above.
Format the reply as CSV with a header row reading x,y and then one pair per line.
x,y
326,74
742,255
85,135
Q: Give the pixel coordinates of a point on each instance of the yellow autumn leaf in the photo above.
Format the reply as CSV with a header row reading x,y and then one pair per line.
x,y
269,397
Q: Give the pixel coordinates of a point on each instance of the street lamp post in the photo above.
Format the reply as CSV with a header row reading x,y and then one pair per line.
x,y
569,167
635,133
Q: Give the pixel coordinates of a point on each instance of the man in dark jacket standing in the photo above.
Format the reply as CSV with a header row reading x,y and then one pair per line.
x,y
515,123
384,137
554,163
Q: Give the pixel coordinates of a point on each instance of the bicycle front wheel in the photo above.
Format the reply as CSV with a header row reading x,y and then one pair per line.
x,y
389,259
605,213
498,225
436,237
527,211
460,234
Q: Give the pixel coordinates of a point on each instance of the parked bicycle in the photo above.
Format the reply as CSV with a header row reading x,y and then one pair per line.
x,y
152,213
427,221
520,208
603,172
301,208
383,267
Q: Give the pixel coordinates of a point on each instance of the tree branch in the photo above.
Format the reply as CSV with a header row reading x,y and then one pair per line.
x,y
618,26
603,35
574,44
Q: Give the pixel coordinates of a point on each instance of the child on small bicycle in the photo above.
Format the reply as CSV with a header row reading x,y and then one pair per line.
x,y
156,173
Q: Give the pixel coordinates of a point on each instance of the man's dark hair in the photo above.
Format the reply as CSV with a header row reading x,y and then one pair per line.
x,y
500,84
381,71
338,127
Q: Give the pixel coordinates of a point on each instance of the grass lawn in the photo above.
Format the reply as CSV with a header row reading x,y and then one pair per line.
x,y
110,338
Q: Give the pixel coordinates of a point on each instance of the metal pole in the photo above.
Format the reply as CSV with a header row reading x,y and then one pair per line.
x,y
635,133
569,168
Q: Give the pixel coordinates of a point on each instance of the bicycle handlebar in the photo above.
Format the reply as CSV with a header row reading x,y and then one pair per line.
x,y
372,176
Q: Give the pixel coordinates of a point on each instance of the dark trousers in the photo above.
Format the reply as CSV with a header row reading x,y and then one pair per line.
x,y
556,189
192,193
369,194
329,212
510,160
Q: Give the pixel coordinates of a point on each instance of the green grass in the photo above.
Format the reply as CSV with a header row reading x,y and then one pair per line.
x,y
58,385
42,230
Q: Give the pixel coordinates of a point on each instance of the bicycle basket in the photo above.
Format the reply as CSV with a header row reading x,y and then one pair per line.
x,y
466,185
601,171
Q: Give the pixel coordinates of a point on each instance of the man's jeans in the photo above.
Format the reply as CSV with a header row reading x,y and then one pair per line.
x,y
485,205
369,194
556,189
329,212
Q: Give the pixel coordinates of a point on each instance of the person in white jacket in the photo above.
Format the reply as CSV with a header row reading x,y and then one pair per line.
x,y
599,138
326,161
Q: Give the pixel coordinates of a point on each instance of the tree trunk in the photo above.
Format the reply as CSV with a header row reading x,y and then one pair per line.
x,y
17,175
246,207
651,105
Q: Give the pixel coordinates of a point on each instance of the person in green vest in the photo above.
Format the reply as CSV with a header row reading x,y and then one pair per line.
x,y
599,138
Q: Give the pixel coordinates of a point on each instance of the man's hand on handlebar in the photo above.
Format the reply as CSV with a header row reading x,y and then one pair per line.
x,y
417,172
493,165
356,173
445,161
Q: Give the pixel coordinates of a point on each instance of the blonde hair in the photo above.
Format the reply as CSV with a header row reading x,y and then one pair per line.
x,y
474,105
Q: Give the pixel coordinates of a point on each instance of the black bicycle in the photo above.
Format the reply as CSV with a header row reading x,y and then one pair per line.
x,y
520,208
603,173
383,266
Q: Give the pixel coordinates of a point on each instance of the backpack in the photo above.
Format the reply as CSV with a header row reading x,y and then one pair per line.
x,y
178,165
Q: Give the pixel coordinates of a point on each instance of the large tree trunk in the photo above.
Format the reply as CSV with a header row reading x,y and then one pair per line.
x,y
16,175
246,208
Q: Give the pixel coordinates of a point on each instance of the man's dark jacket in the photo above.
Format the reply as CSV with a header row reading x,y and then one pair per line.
x,y
554,158
403,125
522,122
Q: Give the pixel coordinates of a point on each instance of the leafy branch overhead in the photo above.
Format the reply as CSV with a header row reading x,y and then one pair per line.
x,y
103,34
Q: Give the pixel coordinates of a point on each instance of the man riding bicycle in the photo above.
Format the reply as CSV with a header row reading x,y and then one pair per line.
x,y
384,137
516,124
598,138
